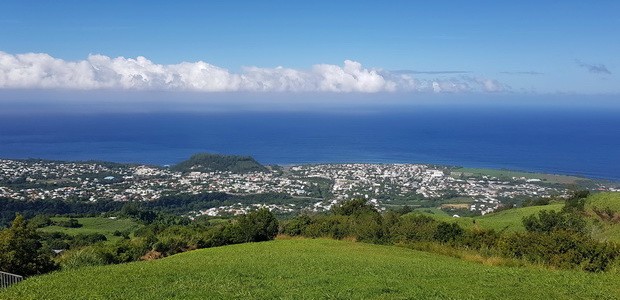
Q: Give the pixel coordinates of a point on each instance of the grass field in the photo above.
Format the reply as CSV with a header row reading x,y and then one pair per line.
x,y
507,220
604,200
101,225
606,230
511,220
550,178
309,269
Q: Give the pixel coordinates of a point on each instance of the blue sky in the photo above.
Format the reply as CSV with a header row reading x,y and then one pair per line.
x,y
522,46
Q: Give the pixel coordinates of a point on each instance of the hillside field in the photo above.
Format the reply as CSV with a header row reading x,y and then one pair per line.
x,y
509,174
314,268
604,200
511,220
507,220
105,226
605,229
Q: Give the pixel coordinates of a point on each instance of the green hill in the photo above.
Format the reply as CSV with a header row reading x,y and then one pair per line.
x,y
308,269
207,162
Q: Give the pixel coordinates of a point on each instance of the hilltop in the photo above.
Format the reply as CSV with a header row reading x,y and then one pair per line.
x,y
313,268
209,162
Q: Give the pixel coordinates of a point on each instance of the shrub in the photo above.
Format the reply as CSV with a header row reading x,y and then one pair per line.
x,y
84,239
335,226
448,232
548,221
257,226
561,249
70,223
577,202
354,207
40,221
297,225
368,228
416,228
480,239
536,202
87,256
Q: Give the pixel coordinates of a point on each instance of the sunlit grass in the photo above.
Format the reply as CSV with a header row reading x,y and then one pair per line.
x,y
309,269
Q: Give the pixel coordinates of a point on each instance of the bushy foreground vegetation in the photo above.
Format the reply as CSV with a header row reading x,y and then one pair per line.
x,y
558,239
313,269
28,252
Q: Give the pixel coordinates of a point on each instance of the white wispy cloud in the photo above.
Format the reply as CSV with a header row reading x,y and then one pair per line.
x,y
42,71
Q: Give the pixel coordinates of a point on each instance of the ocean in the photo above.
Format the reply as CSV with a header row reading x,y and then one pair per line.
x,y
562,141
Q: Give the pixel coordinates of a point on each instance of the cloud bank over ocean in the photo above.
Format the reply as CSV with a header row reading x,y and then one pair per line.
x,y
42,71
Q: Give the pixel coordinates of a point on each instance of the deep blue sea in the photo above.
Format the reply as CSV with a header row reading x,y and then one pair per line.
x,y
567,141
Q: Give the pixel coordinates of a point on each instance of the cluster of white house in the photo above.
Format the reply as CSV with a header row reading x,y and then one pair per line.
x,y
34,180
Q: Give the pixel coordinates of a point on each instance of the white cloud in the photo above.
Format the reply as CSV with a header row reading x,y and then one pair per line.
x,y
42,71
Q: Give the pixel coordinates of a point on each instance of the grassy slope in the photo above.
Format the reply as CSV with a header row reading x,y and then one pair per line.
x,y
603,200
104,226
605,230
550,178
509,220
298,269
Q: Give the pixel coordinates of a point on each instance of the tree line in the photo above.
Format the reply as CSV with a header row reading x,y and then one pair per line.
x,y
177,203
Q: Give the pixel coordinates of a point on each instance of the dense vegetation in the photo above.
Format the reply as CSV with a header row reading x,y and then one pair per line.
x,y
554,238
207,162
314,269
550,234
22,252
173,203
28,252
10,207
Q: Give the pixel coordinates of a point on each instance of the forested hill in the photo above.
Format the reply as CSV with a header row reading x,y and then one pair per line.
x,y
207,162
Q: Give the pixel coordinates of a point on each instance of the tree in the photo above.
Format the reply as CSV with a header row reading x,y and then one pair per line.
x,y
355,207
405,210
576,203
257,226
297,225
448,232
21,251
549,220
70,223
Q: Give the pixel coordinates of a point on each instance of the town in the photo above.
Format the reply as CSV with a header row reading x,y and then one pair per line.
x,y
323,185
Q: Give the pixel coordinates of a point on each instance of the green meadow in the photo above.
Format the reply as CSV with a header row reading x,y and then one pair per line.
x,y
105,226
604,200
506,220
313,269
550,178
511,220
605,226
